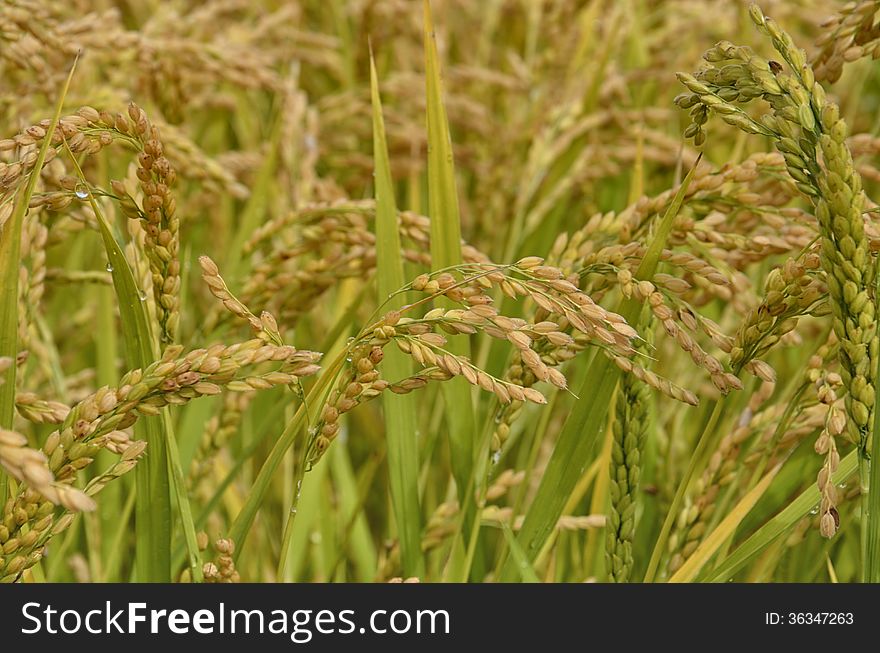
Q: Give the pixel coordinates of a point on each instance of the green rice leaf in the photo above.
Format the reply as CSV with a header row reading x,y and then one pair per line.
x,y
400,410
159,473
10,259
443,210
519,557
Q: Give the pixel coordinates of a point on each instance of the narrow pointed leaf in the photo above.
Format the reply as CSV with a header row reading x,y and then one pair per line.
x,y
443,210
400,410
10,259
159,474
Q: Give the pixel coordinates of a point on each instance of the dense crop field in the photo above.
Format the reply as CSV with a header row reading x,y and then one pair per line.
x,y
497,290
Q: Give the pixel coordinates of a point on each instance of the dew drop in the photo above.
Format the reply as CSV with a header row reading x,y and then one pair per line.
x,y
815,510
81,191
842,486
496,457
109,266
142,295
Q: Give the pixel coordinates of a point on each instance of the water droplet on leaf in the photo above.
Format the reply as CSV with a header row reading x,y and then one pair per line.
x,y
109,266
81,191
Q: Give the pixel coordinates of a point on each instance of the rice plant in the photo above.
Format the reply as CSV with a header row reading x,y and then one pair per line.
x,y
446,291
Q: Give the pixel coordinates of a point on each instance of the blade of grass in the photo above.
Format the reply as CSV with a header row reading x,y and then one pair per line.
x,y
355,532
599,502
782,522
519,556
723,531
106,350
178,487
159,474
10,258
400,410
116,548
587,418
153,504
446,252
